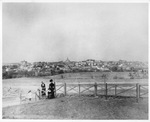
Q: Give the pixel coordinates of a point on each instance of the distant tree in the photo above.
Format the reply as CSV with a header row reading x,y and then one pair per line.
x,y
120,69
132,68
5,75
114,68
62,76
60,71
14,66
53,72
104,76
115,77
10,74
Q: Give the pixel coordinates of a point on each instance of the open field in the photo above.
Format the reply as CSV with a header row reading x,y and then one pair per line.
x,y
87,77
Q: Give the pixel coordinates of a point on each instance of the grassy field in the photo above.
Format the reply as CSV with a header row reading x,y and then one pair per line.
x,y
71,107
67,107
83,77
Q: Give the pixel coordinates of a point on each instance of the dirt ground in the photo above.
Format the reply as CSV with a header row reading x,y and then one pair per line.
x,y
83,107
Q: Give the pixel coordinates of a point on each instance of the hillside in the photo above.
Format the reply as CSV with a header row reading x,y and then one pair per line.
x,y
72,107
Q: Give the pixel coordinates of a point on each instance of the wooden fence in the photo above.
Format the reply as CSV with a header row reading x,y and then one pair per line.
x,y
108,89
96,89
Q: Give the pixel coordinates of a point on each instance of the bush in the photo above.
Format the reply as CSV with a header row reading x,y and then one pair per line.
x,y
115,77
62,76
131,77
121,77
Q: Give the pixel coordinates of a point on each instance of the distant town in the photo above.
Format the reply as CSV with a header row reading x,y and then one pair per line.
x,y
38,69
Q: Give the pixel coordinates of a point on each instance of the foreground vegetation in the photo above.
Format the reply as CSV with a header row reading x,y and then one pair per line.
x,y
71,107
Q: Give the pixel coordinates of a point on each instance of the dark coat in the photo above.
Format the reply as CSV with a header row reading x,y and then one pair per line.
x,y
52,86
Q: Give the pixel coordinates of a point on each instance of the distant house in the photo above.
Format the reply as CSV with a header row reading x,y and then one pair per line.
x,y
77,64
104,69
81,63
90,62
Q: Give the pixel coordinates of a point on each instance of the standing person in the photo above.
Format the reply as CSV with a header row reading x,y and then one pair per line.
x,y
43,92
52,88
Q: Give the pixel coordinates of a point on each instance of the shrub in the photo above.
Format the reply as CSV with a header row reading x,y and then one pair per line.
x,y
121,77
115,77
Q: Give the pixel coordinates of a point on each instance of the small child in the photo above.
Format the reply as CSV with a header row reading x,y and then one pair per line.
x,y
49,93
29,95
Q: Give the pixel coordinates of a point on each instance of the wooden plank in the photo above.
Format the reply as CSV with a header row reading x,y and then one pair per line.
x,y
106,91
65,89
143,84
86,89
143,87
144,93
115,90
20,96
59,87
125,90
73,88
35,96
79,89
112,86
137,92
95,86
39,94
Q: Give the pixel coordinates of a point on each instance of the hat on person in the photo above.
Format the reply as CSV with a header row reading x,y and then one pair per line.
x,y
51,80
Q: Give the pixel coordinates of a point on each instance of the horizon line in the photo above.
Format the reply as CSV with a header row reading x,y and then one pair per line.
x,y
73,60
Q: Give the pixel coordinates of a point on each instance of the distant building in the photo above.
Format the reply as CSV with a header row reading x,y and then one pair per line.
x,y
70,63
23,63
67,61
90,62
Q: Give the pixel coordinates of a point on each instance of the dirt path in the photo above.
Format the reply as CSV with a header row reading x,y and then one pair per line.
x,y
73,107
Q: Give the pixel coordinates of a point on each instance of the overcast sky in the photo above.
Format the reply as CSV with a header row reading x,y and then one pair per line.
x,y
79,31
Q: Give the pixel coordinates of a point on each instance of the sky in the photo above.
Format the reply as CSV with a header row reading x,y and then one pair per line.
x,y
54,31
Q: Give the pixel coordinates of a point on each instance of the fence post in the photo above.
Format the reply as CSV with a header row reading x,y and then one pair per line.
x,y
115,90
79,89
95,86
20,95
55,91
35,96
137,92
65,90
39,94
106,91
